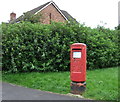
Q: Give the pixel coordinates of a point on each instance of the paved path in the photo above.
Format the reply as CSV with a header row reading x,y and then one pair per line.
x,y
14,92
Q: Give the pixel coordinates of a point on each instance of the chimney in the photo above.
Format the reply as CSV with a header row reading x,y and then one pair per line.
x,y
12,16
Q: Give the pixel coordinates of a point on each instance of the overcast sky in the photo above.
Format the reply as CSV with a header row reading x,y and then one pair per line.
x,y
91,12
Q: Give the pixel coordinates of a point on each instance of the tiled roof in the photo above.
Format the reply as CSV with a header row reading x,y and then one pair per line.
x,y
67,15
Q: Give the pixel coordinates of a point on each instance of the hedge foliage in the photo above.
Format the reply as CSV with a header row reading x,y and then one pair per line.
x,y
39,47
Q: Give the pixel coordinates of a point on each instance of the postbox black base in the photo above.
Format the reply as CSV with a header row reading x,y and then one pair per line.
x,y
78,87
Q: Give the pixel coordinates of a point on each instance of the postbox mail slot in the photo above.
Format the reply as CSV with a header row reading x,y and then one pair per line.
x,y
76,49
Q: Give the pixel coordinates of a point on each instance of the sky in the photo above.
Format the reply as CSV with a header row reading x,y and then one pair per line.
x,y
89,12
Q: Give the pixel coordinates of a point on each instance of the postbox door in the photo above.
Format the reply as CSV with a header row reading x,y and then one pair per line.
x,y
77,68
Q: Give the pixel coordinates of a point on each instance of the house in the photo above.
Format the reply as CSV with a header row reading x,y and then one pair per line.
x,y
49,11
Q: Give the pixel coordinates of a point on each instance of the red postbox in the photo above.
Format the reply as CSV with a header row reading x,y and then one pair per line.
x,y
78,67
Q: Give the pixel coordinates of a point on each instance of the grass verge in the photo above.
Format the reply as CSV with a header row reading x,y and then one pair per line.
x,y
102,84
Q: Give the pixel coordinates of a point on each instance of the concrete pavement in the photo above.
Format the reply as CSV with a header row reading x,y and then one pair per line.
x,y
14,92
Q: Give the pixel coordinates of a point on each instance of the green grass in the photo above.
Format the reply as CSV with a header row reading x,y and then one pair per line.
x,y
102,84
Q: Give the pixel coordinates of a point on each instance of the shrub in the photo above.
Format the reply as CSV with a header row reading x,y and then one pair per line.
x,y
40,47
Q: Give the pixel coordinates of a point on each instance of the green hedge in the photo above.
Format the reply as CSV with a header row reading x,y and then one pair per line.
x,y
39,47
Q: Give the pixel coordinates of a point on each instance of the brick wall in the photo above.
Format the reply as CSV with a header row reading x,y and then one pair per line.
x,y
51,13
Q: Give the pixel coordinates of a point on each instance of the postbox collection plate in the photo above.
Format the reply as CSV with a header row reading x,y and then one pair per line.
x,y
76,54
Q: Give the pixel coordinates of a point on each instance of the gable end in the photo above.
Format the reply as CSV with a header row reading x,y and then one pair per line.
x,y
55,7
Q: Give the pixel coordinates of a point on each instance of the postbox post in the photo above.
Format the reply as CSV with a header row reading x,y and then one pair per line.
x,y
78,68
